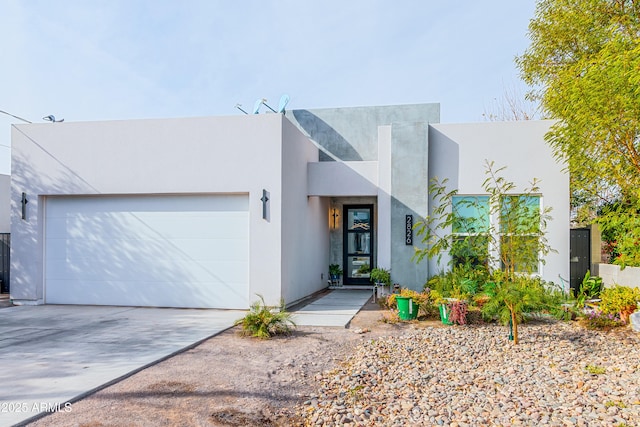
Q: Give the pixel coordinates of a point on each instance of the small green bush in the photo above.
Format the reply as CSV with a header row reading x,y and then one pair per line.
x,y
462,282
380,275
589,288
620,300
264,321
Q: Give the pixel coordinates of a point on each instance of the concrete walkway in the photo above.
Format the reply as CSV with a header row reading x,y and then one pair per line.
x,y
52,354
337,308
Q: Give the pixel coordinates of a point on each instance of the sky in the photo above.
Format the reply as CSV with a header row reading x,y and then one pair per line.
x,y
85,60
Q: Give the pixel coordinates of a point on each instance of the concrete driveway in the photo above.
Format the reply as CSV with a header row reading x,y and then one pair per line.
x,y
52,354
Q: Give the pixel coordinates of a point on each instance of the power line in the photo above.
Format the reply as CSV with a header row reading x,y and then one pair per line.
x,y
15,117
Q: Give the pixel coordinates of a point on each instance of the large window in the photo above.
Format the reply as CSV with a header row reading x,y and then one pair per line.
x,y
470,229
519,233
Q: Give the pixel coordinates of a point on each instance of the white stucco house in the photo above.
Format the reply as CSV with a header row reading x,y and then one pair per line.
x,y
208,212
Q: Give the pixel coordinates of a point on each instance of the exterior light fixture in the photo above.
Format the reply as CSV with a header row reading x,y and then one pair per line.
x,y
265,200
24,202
335,214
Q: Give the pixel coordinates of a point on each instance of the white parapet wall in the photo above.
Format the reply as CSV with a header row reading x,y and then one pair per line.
x,y
615,275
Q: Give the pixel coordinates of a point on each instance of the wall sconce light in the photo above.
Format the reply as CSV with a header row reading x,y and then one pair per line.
x,y
24,205
335,214
265,199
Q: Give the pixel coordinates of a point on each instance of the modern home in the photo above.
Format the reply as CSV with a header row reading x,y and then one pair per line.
x,y
210,212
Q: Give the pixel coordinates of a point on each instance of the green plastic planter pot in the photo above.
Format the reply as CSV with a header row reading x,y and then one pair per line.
x,y
407,309
444,315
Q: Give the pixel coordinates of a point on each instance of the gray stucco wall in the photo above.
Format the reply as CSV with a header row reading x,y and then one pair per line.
x,y
352,134
409,182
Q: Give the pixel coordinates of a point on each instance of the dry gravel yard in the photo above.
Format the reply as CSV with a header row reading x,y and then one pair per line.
x,y
406,374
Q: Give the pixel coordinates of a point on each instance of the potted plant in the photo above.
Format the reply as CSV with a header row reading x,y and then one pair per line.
x,y
335,273
382,278
408,303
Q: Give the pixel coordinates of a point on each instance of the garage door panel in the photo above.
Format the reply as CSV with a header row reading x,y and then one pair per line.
x,y
226,226
148,203
179,272
192,249
151,294
131,250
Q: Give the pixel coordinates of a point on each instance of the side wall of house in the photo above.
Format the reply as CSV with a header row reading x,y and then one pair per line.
x,y
305,230
458,152
217,155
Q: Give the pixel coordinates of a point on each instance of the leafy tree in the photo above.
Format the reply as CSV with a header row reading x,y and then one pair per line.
x,y
620,225
584,61
514,245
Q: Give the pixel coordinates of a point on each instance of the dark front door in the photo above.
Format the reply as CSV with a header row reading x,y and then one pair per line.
x,y
580,256
358,244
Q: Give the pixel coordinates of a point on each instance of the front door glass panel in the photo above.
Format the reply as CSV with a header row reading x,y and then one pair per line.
x,y
358,244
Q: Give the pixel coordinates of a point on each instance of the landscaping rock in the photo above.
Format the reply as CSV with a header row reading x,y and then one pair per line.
x,y
468,376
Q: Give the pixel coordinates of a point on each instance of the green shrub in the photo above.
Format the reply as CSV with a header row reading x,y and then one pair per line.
x,y
510,300
264,321
380,275
620,300
589,288
462,282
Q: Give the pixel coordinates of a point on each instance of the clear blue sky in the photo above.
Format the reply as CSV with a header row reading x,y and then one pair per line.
x,y
124,59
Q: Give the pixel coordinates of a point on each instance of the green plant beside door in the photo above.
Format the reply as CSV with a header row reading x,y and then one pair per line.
x,y
381,275
335,273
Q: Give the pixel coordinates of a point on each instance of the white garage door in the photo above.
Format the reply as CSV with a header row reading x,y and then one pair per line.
x,y
161,251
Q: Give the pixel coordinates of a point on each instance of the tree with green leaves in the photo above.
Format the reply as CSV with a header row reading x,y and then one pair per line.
x,y
515,243
510,247
584,63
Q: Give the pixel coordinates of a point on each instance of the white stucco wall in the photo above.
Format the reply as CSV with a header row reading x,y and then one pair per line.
x,y
305,225
458,153
236,154
612,275
343,178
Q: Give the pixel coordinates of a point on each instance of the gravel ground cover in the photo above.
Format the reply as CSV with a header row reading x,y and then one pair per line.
x,y
382,374
559,375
